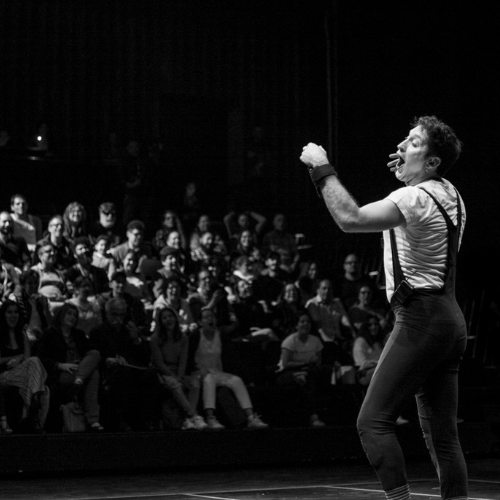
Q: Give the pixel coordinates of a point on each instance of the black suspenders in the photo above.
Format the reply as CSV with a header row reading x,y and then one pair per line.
x,y
402,289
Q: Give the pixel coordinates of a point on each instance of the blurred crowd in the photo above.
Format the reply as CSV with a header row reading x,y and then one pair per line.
x,y
142,327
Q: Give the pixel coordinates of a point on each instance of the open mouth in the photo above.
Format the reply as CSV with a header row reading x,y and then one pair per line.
x,y
400,164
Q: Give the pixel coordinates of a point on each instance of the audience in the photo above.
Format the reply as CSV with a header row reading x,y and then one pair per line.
x,y
169,351
367,349
300,366
131,325
63,253
89,309
26,226
171,297
83,267
107,224
350,281
14,249
101,257
281,241
363,309
171,222
18,368
206,370
72,364
75,221
125,359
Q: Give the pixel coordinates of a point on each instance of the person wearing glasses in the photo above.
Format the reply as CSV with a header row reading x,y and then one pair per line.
x,y
422,225
64,257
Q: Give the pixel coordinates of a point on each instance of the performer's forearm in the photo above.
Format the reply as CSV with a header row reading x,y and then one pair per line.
x,y
340,203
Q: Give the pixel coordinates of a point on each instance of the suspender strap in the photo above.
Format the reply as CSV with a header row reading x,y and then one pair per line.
x,y
396,265
445,213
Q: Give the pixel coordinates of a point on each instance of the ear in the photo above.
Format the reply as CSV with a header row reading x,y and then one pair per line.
x,y
433,162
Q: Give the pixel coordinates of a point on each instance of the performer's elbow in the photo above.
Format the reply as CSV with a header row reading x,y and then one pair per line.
x,y
348,224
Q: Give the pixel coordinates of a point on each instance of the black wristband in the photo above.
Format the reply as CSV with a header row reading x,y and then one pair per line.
x,y
320,172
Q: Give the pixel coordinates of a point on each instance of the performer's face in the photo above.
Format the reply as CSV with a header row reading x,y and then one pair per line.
x,y
413,152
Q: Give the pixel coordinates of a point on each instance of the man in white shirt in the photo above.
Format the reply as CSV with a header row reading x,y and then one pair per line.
x,y
423,225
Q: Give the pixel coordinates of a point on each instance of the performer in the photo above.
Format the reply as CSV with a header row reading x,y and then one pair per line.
x,y
423,225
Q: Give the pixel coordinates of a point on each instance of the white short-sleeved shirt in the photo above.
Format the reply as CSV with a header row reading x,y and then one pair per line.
x,y
422,242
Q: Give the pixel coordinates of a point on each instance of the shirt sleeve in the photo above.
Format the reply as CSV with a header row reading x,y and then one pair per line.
x,y
288,343
410,202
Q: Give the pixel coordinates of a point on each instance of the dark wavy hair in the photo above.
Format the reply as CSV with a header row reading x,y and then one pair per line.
x,y
442,141
18,329
160,329
364,332
62,312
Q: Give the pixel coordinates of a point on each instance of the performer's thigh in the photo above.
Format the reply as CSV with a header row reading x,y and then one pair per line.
x,y
406,362
437,399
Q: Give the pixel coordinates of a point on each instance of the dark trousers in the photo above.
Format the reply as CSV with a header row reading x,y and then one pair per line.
x,y
421,358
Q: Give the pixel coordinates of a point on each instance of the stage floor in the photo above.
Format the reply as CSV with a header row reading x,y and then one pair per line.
x,y
300,482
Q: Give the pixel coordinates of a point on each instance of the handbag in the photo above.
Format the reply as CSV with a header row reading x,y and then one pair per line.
x,y
73,417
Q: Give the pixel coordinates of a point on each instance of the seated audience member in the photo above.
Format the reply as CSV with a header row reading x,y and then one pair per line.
x,y
72,365
107,224
300,366
33,306
351,280
135,308
135,242
83,267
210,294
308,281
171,222
203,225
169,351
246,245
237,223
63,255
328,314
173,242
132,386
242,270
100,256
26,226
9,279
75,221
363,310
205,253
205,369
367,349
281,241
13,249
286,312
269,283
173,264
259,345
52,283
137,285
89,308
254,321
335,329
170,270
18,368
172,298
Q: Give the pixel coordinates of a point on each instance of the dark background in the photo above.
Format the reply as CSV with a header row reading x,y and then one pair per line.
x,y
198,77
